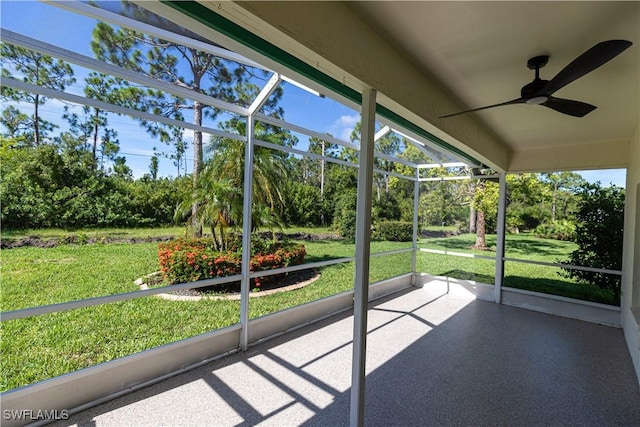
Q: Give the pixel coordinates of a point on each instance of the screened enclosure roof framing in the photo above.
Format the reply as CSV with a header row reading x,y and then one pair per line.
x,y
388,122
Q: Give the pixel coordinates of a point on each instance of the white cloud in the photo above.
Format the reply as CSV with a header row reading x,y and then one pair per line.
x,y
343,126
187,134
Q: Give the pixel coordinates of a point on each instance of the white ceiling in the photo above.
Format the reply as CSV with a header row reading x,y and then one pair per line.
x,y
479,51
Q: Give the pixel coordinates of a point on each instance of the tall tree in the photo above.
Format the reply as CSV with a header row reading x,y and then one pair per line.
x,y
184,67
87,128
37,69
389,144
485,202
599,235
120,168
563,186
153,167
528,201
178,155
102,87
179,65
17,125
325,149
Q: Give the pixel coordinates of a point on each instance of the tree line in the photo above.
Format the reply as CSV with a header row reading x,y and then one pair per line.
x,y
51,179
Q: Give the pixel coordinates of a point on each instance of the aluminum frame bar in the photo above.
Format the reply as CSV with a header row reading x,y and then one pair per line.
x,y
416,205
445,178
394,159
413,141
500,238
301,86
245,283
424,145
290,126
363,249
458,254
81,100
247,205
444,165
397,175
265,93
90,302
303,153
393,252
329,159
567,266
264,273
328,138
381,133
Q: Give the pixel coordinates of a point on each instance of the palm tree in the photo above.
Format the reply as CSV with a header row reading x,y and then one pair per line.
x,y
269,172
208,205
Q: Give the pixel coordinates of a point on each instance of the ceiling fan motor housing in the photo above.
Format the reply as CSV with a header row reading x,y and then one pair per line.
x,y
533,92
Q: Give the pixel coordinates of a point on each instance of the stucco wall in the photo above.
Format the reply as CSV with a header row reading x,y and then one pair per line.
x,y
630,303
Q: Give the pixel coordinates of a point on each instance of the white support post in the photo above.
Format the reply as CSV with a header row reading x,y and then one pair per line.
x,y
502,207
246,235
416,202
264,94
363,239
245,283
381,133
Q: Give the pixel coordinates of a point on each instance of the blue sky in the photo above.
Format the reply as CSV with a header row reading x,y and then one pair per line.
x,y
73,32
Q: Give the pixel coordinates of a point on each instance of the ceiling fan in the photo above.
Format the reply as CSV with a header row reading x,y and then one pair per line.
x,y
539,92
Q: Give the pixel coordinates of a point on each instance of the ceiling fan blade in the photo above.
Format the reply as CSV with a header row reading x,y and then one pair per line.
x,y
513,101
567,106
593,58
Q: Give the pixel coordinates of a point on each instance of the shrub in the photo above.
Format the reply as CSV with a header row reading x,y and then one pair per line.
x,y
393,231
344,218
599,235
558,230
189,260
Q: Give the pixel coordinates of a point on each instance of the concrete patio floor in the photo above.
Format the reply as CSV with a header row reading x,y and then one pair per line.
x,y
434,359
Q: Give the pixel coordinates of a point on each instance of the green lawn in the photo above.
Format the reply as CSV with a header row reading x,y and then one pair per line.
x,y
49,345
40,276
517,275
45,346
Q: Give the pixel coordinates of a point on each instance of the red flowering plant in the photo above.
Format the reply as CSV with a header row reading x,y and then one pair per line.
x,y
190,260
281,256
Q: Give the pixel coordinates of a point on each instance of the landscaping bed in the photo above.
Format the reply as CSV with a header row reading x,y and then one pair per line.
x,y
189,260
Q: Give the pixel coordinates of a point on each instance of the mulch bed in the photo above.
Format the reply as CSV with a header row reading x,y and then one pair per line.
x,y
38,242
286,280
281,283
